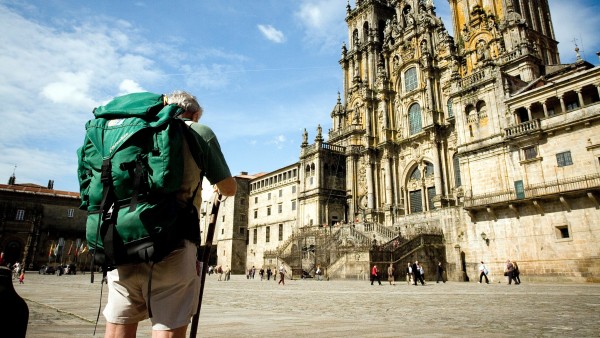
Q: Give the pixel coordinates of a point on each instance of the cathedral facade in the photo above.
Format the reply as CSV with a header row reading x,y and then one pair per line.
x,y
483,138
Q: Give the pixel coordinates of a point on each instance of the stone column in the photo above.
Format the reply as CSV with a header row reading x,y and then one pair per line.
x,y
370,190
562,104
580,97
388,179
545,109
436,167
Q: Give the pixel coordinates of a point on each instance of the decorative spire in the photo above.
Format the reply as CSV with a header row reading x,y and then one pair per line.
x,y
348,8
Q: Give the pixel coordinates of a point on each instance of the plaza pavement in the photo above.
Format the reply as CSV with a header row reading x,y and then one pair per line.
x,y
66,306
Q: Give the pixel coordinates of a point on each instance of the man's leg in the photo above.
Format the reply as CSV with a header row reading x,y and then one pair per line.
x,y
175,333
120,330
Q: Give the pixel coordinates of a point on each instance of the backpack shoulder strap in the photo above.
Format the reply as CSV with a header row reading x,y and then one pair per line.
x,y
194,146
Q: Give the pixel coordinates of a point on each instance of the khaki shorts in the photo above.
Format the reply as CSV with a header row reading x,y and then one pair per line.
x,y
175,290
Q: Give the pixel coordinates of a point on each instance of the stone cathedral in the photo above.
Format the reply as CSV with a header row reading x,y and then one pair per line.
x,y
458,149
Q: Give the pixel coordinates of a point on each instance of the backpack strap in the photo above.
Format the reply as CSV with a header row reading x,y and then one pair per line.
x,y
194,146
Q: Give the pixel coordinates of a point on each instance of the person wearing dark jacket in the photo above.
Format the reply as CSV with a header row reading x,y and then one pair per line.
x,y
440,273
417,273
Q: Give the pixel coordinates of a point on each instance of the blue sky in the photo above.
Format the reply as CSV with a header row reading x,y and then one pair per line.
x,y
263,71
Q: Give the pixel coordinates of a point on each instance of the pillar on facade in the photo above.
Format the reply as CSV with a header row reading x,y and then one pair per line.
x,y
388,180
562,104
370,190
580,97
545,109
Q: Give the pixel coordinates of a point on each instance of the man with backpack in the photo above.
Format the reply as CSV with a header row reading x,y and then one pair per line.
x,y
169,285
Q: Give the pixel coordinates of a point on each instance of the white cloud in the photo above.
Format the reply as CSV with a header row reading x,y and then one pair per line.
x,y
52,78
129,86
323,22
271,33
278,141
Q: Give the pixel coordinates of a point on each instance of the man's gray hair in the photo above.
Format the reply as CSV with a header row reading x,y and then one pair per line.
x,y
185,100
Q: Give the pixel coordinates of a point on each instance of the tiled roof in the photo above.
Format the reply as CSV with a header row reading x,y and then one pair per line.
x,y
34,189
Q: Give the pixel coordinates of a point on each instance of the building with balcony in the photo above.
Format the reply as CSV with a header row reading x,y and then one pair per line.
x,y
477,146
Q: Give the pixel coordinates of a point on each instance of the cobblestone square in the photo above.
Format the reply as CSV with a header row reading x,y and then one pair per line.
x,y
68,305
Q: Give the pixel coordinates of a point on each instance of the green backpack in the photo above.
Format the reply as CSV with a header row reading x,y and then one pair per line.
x,y
130,168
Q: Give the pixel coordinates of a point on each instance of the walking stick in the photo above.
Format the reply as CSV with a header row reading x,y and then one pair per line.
x,y
205,257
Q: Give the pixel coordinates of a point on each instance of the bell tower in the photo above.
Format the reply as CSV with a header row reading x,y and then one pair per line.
x,y
503,31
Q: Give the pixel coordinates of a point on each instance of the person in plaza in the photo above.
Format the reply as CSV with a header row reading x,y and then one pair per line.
x,y
440,273
269,273
375,275
409,274
282,274
319,272
421,273
2,258
417,277
516,272
22,277
177,277
16,270
509,272
227,273
220,272
390,271
253,271
483,272
261,273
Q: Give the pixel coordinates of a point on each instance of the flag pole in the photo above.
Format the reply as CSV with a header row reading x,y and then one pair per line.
x,y
205,258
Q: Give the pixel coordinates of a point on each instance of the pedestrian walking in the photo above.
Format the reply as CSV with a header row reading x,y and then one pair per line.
x,y
390,272
509,272
516,273
409,274
282,275
417,277
440,273
375,275
483,272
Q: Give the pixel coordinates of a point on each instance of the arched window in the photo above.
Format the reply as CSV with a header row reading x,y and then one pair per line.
x,y
414,119
410,79
416,174
481,108
428,169
470,110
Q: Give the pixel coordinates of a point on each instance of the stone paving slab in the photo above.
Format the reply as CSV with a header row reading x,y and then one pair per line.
x,y
67,306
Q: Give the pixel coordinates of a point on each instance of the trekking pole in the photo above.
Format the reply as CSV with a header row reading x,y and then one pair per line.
x,y
205,257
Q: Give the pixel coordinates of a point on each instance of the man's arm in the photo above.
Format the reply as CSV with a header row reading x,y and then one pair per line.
x,y
227,186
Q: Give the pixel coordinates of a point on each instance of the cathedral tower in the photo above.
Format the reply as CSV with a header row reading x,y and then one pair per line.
x,y
502,31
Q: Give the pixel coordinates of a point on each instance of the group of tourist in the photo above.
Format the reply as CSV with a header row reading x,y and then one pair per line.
x,y
415,273
218,270
511,271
